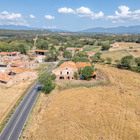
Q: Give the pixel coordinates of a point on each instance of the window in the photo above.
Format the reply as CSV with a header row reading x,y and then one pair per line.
x,y
60,72
67,72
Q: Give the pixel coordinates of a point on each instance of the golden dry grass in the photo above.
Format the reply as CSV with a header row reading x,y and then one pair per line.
x,y
115,55
9,96
109,112
135,52
126,45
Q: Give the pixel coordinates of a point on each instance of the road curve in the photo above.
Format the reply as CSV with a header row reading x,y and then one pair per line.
x,y
15,125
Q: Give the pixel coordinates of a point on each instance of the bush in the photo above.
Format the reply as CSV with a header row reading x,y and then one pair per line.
x,y
67,54
96,57
108,60
76,75
136,69
105,46
61,49
48,87
137,60
127,61
53,76
87,72
80,59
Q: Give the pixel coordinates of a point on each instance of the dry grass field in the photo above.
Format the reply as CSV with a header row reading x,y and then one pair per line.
x,y
125,45
9,96
135,52
115,55
110,112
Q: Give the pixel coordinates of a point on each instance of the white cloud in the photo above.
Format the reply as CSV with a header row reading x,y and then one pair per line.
x,y
66,10
84,11
49,27
32,16
124,15
49,17
7,18
81,12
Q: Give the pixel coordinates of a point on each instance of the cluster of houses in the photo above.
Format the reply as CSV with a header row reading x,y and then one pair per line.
x,y
15,67
67,69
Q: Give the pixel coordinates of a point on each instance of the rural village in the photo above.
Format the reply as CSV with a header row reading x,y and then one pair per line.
x,y
77,68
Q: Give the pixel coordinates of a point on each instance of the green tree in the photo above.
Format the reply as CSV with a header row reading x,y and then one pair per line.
x,y
105,46
42,44
81,54
76,75
87,72
61,49
67,54
96,57
52,55
52,48
137,60
48,87
127,61
80,59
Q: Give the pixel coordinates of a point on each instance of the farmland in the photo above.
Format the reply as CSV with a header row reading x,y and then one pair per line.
x,y
9,96
102,112
125,45
115,55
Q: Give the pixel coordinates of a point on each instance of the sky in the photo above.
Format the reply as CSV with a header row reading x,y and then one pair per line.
x,y
71,15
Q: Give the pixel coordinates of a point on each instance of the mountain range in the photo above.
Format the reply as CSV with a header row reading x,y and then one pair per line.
x,y
113,30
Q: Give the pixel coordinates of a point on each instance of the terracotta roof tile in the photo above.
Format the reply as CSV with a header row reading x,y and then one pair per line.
x,y
69,64
82,64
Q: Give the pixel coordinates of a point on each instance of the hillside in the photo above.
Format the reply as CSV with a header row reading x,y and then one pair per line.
x,y
4,32
117,30
103,112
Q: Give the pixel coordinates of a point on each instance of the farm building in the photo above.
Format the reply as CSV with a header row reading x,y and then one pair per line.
x,y
67,69
16,75
73,50
115,45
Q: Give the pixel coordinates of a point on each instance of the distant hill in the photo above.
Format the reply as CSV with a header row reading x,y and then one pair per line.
x,y
117,30
18,27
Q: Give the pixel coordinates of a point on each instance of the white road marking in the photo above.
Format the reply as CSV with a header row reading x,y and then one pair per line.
x,y
20,116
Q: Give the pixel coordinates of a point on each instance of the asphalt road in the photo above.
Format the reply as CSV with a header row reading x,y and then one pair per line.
x,y
15,125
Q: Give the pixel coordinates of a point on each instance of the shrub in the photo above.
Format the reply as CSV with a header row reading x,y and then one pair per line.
x,y
96,57
76,75
105,46
61,49
127,61
108,60
67,54
137,60
48,87
53,76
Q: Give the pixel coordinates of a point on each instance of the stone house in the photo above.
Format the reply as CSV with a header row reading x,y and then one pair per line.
x,y
90,54
25,64
67,69
16,75
115,45
74,50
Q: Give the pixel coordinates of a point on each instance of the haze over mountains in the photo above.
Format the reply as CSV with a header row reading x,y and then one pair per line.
x,y
117,30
